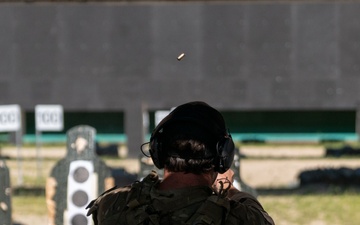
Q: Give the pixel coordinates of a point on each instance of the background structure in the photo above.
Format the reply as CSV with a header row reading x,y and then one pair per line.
x,y
121,57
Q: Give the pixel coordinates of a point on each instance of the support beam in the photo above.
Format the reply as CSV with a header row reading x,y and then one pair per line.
x,y
134,129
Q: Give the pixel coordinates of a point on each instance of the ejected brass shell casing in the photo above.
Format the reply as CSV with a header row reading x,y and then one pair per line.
x,y
181,56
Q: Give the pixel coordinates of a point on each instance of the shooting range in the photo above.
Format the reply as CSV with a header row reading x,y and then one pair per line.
x,y
285,75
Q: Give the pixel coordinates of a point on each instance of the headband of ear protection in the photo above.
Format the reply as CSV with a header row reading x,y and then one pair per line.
x,y
192,115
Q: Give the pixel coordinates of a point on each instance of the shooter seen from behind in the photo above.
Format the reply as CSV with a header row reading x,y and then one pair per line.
x,y
195,150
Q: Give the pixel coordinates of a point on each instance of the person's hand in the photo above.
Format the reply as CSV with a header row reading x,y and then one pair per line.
x,y
223,181
229,174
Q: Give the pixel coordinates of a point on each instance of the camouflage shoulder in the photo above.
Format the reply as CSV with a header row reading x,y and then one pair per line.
x,y
245,206
106,198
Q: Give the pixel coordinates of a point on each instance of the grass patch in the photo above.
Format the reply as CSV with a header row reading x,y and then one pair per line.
x,y
308,209
29,205
31,174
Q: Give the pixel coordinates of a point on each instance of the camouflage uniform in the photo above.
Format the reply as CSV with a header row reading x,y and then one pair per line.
x,y
143,203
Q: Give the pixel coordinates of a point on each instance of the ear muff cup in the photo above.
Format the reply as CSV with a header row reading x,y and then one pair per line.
x,y
157,156
225,154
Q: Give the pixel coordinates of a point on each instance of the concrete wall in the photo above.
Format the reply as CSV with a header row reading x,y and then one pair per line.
x,y
122,56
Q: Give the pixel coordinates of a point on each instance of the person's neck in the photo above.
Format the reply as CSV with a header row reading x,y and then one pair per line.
x,y
175,180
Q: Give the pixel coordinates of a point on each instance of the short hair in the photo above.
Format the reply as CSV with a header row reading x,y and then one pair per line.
x,y
188,155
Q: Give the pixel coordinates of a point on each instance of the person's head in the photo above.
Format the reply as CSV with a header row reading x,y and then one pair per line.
x,y
193,139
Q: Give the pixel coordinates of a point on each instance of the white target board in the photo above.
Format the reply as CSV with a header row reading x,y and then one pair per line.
x,y
10,118
49,117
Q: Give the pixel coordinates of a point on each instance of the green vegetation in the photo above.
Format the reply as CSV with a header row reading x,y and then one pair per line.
x,y
29,205
308,209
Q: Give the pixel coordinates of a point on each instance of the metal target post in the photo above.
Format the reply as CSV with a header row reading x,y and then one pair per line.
x,y
38,155
18,147
10,121
47,118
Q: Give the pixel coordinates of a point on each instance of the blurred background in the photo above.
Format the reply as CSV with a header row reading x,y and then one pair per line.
x,y
285,75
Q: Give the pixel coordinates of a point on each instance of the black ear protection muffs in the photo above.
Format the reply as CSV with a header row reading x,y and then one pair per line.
x,y
225,148
156,151
225,154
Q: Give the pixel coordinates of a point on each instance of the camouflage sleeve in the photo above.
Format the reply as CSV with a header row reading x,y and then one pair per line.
x,y
249,210
103,209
